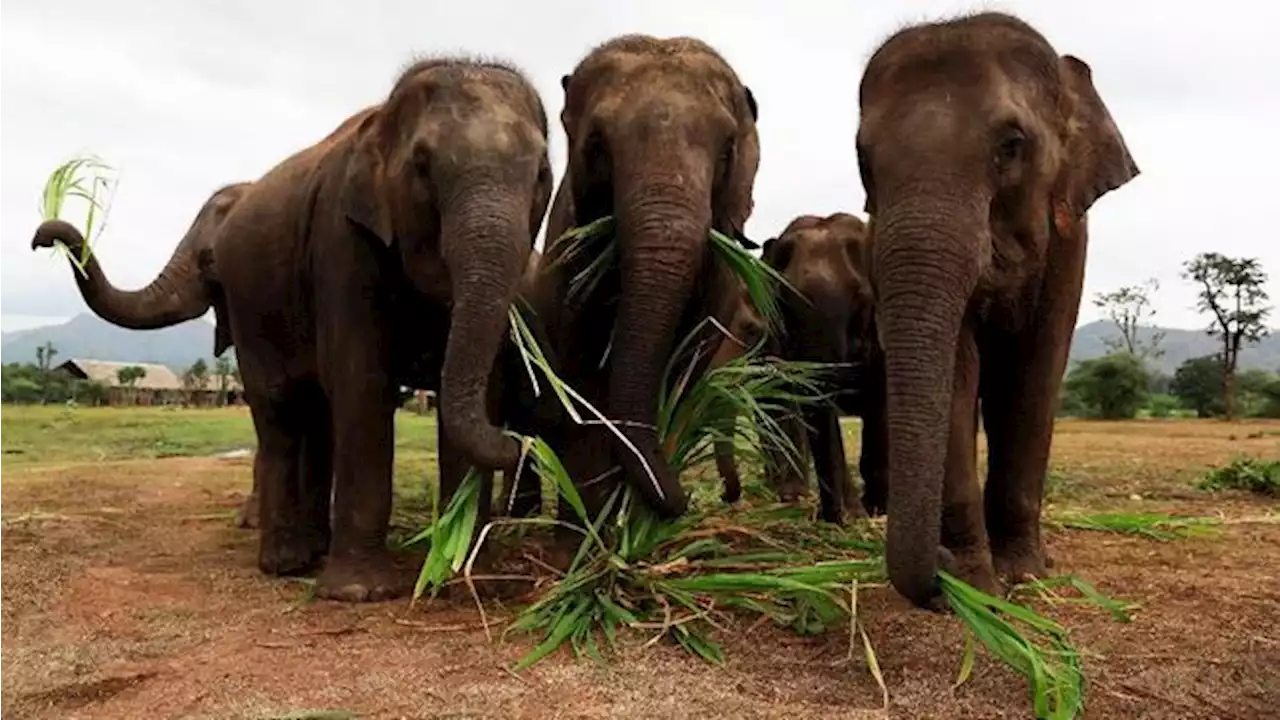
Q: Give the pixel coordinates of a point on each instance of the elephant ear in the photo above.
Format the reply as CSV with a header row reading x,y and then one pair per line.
x,y
774,254
736,201
363,200
751,104
1097,160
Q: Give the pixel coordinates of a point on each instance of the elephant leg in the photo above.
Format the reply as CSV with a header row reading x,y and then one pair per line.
x,y
1017,411
317,473
728,471
247,516
285,545
829,462
873,464
788,474
963,530
360,567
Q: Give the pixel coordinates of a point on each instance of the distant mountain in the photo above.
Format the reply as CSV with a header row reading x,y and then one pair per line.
x,y
90,337
1178,345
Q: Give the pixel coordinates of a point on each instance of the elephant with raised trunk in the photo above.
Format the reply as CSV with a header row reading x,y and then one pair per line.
x,y
661,136
981,150
186,288
387,254
827,317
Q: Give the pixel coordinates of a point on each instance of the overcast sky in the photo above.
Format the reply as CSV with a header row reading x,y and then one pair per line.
x,y
183,97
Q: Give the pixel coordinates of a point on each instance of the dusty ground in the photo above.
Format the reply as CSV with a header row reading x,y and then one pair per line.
x,y
128,593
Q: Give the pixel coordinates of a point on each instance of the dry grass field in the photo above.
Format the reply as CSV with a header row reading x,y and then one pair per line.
x,y
128,593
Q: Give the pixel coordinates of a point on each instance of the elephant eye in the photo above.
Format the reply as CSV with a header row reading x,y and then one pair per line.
x,y
1011,147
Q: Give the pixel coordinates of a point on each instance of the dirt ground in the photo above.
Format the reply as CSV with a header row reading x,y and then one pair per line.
x,y
128,593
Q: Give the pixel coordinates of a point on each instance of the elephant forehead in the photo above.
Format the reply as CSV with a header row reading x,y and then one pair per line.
x,y
497,128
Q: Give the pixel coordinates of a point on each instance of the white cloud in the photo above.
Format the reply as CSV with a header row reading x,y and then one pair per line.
x,y
186,97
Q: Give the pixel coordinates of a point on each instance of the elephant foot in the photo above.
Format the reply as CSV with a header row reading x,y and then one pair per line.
x,y
370,576
792,490
1021,560
875,501
974,566
290,553
247,514
853,508
874,508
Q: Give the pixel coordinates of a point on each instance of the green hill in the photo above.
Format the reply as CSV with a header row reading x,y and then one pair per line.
x,y
90,337
1178,345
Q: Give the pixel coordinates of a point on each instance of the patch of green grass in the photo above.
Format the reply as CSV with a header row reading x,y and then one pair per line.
x,y
1156,526
1244,473
35,434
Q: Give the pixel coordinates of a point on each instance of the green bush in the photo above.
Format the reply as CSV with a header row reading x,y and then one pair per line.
x,y
1162,405
1112,387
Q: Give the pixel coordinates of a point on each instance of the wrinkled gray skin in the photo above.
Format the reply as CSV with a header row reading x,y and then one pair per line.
x,y
981,149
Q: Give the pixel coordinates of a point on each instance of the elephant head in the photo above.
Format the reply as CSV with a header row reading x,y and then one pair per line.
x,y
825,260
452,172
182,291
979,146
662,136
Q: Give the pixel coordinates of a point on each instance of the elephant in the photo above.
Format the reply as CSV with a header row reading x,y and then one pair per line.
x,y
827,317
980,150
186,288
662,137
386,254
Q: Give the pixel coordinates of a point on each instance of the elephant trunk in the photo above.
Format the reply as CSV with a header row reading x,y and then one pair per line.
x,y
176,295
925,272
483,239
662,225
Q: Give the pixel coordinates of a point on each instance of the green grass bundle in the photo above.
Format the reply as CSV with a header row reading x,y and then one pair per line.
x,y
677,579
1042,653
86,178
1155,526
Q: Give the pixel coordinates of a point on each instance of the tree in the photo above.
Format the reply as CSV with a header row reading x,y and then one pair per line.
x,y
1232,289
1197,383
1112,387
223,369
196,378
44,357
1128,307
129,375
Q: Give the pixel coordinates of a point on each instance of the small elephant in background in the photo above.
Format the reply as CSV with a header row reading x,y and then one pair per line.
x,y
829,318
981,149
